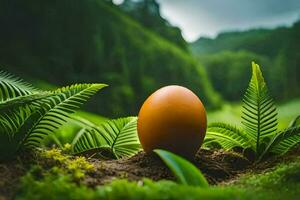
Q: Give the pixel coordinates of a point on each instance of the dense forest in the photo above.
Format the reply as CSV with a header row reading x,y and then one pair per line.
x,y
277,49
134,50
94,40
148,14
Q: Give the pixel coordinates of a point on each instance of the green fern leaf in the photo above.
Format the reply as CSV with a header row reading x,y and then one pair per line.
x,y
227,136
26,125
12,119
295,121
10,122
11,87
15,102
119,136
28,114
283,141
57,108
184,171
259,112
92,143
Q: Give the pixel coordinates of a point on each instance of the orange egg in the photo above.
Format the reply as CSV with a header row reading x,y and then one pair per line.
x,y
172,118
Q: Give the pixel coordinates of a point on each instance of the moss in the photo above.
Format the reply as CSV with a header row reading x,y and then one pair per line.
x,y
281,182
54,184
148,189
60,176
77,167
54,154
67,148
60,182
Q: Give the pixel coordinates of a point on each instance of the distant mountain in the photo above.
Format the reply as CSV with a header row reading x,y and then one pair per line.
x,y
261,41
230,53
64,42
147,13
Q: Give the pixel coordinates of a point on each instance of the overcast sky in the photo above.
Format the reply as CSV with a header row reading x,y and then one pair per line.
x,y
209,17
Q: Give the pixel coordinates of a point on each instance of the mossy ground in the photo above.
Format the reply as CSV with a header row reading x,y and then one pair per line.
x,y
53,174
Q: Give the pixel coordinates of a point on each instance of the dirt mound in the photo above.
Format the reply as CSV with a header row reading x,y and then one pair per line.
x,y
217,166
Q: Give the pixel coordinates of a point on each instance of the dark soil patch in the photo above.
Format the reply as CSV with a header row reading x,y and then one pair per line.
x,y
10,173
218,166
265,166
9,178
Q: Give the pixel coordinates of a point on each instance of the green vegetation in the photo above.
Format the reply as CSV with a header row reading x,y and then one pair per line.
x,y
112,139
251,40
31,114
94,40
225,56
148,14
281,182
62,188
231,113
63,180
49,151
94,118
75,167
67,131
28,114
260,120
185,172
228,72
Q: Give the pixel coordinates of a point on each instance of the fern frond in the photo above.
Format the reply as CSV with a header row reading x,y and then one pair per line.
x,y
88,126
283,141
23,100
295,121
90,142
118,135
259,115
227,136
28,114
12,119
10,122
12,86
56,109
16,113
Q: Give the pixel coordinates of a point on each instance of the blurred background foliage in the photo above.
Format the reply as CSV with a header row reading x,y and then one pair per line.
x,y
95,41
277,51
136,51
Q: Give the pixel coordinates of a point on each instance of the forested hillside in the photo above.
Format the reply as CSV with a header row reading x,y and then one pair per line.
x,y
94,41
277,50
147,13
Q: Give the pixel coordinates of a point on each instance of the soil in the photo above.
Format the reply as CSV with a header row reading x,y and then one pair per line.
x,y
218,166
10,173
9,179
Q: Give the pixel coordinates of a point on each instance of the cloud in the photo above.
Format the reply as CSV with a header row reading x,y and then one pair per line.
x,y
207,18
